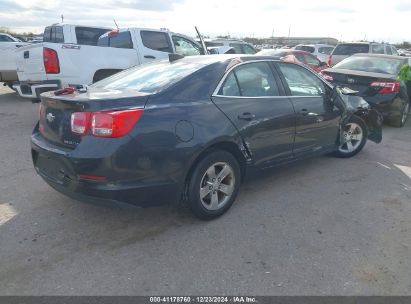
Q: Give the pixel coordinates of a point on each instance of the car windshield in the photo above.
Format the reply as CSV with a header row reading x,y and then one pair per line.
x,y
350,49
306,48
149,78
371,64
275,53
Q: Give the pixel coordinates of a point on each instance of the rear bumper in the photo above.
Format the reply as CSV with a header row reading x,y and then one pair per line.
x,y
60,169
8,76
28,89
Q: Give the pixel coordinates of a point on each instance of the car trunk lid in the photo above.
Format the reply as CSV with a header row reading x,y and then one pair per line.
x,y
29,61
55,111
358,80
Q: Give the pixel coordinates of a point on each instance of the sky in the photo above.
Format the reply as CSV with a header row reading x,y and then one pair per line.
x,y
347,20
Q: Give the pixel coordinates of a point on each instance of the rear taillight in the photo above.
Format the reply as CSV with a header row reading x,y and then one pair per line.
x,y
80,122
386,86
51,61
105,124
327,76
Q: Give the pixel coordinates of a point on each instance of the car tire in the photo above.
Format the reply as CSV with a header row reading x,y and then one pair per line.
x,y
214,185
399,122
355,134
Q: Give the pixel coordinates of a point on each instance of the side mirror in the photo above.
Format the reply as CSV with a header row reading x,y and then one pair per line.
x,y
322,63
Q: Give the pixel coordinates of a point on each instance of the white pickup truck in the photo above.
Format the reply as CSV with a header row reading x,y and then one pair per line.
x,y
8,46
69,62
57,61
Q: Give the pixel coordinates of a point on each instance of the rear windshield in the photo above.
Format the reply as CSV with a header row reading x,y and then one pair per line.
x,y
371,64
350,49
121,40
88,35
306,48
272,53
149,78
53,34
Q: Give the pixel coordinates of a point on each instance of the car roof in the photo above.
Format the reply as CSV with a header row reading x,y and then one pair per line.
x,y
210,59
377,56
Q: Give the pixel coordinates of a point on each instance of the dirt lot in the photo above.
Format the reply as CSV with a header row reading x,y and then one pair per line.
x,y
326,226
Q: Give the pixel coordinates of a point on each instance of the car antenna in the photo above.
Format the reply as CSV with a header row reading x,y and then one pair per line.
x,y
202,41
116,25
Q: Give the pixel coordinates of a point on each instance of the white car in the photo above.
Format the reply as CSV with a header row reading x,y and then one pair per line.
x,y
80,56
321,51
8,45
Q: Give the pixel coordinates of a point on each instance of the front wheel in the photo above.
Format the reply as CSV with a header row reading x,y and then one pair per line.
x,y
214,185
400,121
354,138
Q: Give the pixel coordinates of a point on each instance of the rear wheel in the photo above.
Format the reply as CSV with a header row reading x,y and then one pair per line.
x,y
400,121
354,138
214,185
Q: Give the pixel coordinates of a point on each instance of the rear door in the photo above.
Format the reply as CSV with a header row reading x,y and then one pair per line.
x,y
317,120
253,99
153,45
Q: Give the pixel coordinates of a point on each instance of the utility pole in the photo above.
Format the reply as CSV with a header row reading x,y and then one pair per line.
x,y
62,18
289,31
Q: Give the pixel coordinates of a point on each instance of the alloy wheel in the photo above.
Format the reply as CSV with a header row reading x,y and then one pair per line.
x,y
405,113
352,138
217,186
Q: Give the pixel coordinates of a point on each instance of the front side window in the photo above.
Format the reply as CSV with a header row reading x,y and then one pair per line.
x,y
377,49
250,80
388,50
248,49
301,81
121,40
185,47
88,35
157,41
237,48
394,51
4,38
311,60
300,57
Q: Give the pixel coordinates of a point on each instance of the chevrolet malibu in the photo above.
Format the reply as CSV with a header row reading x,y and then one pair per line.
x,y
190,129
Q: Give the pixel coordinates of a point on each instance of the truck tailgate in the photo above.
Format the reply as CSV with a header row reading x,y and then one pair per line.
x,y
29,60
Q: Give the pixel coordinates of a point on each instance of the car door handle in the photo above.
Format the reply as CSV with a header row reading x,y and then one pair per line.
x,y
305,112
246,116
149,57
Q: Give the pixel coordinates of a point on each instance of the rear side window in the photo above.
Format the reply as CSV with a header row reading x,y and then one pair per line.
x,y
327,50
377,48
157,41
350,49
121,40
88,35
306,48
186,47
250,80
301,81
53,34
388,50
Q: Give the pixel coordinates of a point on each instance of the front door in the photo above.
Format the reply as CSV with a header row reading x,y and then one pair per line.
x,y
254,102
317,119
